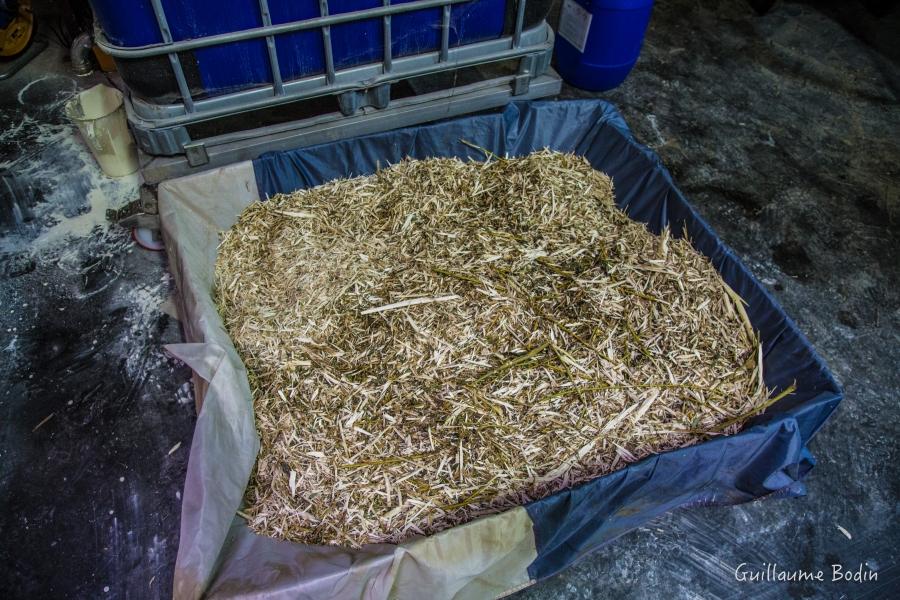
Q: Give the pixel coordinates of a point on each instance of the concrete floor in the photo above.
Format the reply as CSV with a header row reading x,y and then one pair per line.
x,y
91,406
781,129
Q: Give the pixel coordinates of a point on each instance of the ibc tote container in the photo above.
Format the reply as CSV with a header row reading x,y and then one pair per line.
x,y
240,65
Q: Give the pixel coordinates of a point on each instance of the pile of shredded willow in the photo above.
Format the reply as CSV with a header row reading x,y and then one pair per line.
x,y
445,339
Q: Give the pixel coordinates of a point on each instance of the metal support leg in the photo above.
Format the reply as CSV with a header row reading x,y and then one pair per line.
x,y
520,19
277,83
388,41
183,88
326,38
445,33
523,77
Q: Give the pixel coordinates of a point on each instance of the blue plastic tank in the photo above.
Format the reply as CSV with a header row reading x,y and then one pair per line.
x,y
598,41
240,65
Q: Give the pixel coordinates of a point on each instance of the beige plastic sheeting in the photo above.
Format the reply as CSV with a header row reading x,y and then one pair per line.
x,y
218,554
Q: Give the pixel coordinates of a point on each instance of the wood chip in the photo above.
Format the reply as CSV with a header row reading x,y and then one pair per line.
x,y
405,303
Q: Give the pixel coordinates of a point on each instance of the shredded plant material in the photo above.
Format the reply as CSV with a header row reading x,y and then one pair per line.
x,y
445,339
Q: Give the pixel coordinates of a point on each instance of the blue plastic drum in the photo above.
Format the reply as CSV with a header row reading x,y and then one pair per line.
x,y
598,41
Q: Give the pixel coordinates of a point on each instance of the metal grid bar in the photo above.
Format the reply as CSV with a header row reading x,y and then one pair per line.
x,y
261,32
537,40
445,33
326,40
183,88
214,107
277,83
520,19
388,56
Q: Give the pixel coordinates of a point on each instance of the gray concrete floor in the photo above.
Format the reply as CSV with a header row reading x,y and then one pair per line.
x,y
782,130
95,419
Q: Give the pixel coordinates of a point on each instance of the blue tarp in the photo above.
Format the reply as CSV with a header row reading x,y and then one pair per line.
x,y
769,457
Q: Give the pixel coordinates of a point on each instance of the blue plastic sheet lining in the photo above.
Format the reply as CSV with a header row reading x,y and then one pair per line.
x,y
769,457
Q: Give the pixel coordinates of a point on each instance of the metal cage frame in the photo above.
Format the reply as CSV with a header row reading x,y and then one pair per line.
x,y
161,129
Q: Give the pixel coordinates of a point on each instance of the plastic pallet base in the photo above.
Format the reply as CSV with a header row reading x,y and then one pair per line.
x,y
246,145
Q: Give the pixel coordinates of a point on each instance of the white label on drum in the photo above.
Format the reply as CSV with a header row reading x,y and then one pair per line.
x,y
574,24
